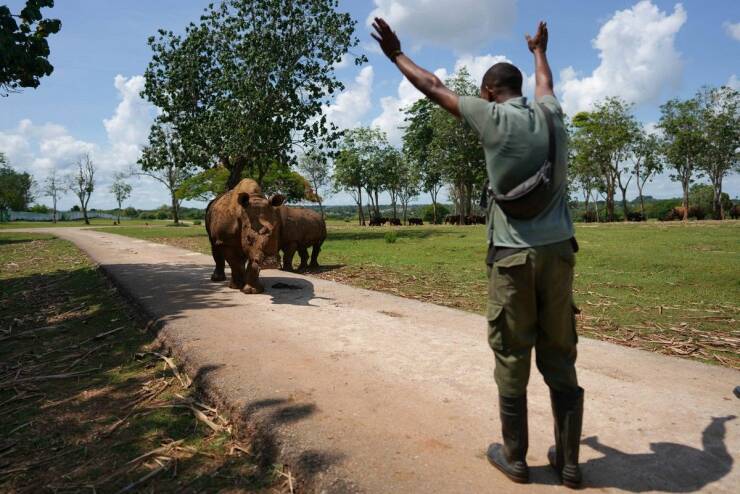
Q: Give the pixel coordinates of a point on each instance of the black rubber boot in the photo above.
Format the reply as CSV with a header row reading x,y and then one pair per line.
x,y
511,456
567,410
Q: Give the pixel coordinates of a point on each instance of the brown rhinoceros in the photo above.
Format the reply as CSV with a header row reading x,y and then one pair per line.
x,y
243,227
301,229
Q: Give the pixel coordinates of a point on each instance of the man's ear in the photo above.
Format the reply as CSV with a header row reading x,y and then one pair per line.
x,y
243,199
277,200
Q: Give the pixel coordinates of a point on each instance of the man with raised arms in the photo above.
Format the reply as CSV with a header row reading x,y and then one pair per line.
x,y
531,257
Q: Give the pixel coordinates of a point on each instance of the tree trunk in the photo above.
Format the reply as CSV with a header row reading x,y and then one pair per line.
x,y
235,170
717,210
377,204
54,211
624,202
175,208
360,212
685,182
321,208
395,210
118,220
84,215
460,202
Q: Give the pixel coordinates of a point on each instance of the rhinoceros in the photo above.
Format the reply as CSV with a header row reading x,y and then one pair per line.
x,y
301,229
244,227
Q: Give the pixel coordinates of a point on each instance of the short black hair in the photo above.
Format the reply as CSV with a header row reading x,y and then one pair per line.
x,y
504,75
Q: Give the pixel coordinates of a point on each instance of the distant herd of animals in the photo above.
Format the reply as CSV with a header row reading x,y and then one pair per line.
x,y
450,219
245,228
675,214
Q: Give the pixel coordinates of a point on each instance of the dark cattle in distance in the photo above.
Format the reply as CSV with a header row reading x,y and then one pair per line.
x,y
375,222
416,221
395,222
635,216
734,211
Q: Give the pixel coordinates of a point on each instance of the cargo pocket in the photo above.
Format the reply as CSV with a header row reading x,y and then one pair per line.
x,y
496,321
575,312
513,260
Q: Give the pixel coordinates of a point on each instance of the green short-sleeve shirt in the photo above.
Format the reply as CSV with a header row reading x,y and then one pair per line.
x,y
515,142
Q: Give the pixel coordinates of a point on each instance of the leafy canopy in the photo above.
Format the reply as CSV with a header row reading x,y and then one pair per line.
x,y
24,50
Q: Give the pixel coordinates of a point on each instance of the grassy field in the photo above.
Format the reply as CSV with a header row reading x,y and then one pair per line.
x,y
88,403
667,287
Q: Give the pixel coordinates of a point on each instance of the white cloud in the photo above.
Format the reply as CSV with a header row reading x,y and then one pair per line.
x,y
128,128
39,148
734,82
354,102
459,24
732,30
638,59
392,116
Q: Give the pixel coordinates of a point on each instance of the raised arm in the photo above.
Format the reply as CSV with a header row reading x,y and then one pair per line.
x,y
425,81
543,74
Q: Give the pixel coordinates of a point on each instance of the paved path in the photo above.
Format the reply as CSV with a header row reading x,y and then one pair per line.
x,y
366,392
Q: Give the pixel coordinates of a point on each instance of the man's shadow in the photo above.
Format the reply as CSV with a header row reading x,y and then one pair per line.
x,y
670,467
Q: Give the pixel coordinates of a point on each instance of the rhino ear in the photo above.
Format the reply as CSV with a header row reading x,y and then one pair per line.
x,y
243,199
277,200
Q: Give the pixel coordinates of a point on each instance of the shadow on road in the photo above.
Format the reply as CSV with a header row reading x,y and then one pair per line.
x,y
670,467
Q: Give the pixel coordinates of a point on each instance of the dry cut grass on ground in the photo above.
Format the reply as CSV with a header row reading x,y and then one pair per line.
x,y
88,401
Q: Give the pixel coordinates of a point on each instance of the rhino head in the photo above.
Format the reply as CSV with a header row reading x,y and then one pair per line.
x,y
260,233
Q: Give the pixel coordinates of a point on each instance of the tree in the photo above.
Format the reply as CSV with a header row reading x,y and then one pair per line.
x,y
315,167
165,160
683,142
605,136
456,149
647,163
289,183
249,81
393,179
702,197
409,185
121,191
203,186
720,114
24,51
16,188
417,139
53,188
82,182
349,177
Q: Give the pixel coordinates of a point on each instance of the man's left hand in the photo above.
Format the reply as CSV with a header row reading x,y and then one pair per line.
x,y
386,38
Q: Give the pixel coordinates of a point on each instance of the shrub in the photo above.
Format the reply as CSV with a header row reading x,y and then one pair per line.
x,y
162,215
427,213
391,237
196,222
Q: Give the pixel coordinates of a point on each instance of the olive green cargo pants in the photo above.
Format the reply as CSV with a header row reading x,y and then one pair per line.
x,y
530,305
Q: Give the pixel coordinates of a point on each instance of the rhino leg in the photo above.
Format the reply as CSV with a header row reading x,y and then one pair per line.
x,y
315,256
252,284
288,253
303,253
219,273
236,263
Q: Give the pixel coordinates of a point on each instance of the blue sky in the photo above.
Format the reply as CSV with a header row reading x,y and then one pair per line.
x,y
645,51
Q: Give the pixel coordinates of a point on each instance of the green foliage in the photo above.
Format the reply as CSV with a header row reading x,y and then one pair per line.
x,y
249,80
16,188
24,50
162,215
196,222
39,208
427,213
390,237
702,196
417,141
130,212
455,148
205,185
295,188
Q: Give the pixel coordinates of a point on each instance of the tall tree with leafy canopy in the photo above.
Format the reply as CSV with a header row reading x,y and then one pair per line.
x,y
606,135
683,142
417,139
81,182
648,162
248,82
456,148
349,174
24,50
721,129
165,160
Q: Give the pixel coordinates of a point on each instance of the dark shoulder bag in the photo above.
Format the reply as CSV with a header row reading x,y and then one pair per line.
x,y
531,197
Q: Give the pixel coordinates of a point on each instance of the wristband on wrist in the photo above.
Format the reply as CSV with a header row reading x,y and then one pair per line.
x,y
395,54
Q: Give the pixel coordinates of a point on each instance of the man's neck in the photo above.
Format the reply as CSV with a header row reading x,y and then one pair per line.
x,y
502,98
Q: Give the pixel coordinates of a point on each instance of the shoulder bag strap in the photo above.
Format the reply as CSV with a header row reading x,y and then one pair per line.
x,y
550,133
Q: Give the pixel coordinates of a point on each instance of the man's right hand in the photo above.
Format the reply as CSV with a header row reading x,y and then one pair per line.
x,y
539,42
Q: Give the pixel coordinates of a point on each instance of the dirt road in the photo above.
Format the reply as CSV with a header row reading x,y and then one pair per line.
x,y
360,391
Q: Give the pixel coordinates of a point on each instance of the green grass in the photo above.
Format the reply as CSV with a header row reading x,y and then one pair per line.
x,y
79,433
659,286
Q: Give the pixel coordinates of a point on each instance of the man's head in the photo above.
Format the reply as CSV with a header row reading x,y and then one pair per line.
x,y
501,82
